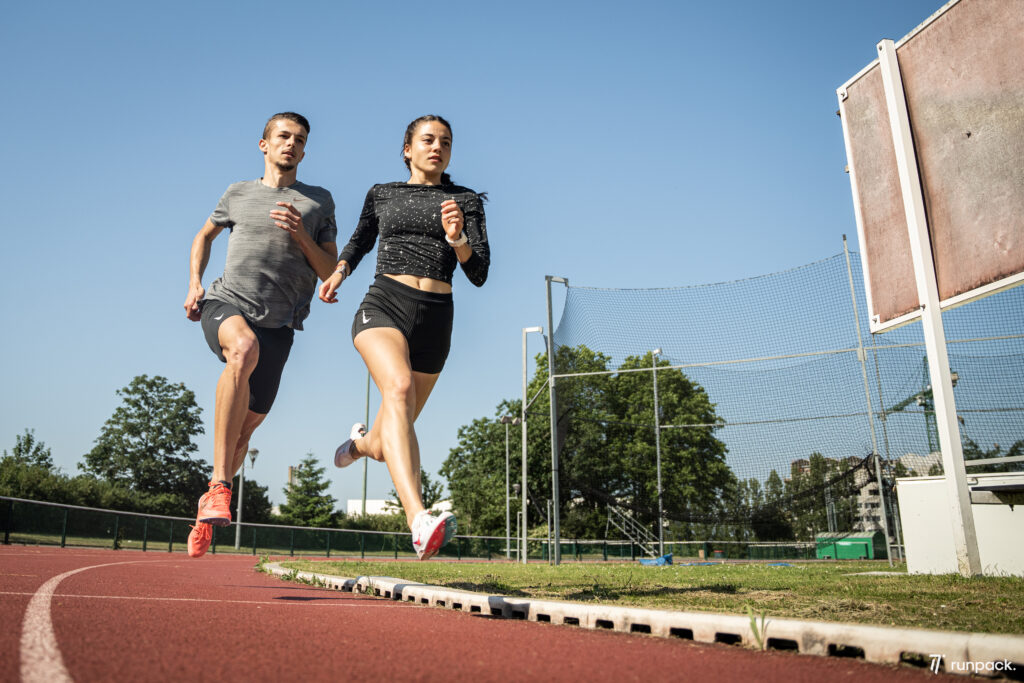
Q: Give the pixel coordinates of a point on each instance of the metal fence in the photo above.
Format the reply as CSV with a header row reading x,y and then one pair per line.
x,y
31,522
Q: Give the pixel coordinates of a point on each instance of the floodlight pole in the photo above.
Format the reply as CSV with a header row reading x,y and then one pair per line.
x,y
508,501
508,420
241,484
522,421
554,421
965,540
657,450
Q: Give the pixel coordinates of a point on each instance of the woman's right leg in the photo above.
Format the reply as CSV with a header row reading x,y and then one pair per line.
x,y
370,445
386,354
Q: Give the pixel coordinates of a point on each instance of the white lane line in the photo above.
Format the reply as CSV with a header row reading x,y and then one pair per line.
x,y
371,602
40,657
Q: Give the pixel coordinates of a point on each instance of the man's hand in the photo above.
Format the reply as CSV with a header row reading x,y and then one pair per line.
x,y
451,219
195,295
329,288
289,219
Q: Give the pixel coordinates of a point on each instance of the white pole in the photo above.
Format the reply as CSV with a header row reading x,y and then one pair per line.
x,y
965,540
522,421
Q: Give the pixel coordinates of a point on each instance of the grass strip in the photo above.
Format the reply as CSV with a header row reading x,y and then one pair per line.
x,y
813,590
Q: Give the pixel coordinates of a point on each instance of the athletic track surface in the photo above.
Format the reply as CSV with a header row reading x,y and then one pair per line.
x,y
105,615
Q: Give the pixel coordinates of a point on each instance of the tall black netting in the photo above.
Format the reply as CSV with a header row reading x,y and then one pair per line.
x,y
794,400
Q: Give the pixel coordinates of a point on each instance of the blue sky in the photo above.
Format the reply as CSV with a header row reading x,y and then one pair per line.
x,y
642,145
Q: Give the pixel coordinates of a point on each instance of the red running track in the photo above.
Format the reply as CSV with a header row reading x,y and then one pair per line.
x,y
133,616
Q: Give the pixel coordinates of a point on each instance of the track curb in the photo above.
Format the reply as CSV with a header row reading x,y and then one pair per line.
x,y
878,644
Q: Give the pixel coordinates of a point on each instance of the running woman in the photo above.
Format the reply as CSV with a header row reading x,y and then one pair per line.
x,y
403,327
283,237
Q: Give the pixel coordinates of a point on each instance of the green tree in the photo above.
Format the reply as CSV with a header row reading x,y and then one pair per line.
x,y
770,521
146,446
606,444
307,503
695,477
972,451
475,470
256,507
30,452
813,484
20,480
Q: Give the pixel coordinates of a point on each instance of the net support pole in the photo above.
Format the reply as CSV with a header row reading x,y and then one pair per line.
x,y
521,522
657,451
862,357
965,540
557,558
893,503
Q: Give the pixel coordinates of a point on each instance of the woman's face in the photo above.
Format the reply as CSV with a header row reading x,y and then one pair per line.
x,y
430,149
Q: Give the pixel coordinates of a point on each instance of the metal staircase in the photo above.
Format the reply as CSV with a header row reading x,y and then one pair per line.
x,y
631,529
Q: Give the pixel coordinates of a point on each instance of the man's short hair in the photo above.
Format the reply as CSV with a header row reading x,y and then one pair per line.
x,y
287,115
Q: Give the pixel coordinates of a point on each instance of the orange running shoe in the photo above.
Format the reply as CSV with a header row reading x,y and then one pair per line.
x,y
215,505
199,539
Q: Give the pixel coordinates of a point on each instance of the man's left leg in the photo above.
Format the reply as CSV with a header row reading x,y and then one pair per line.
x,y
249,425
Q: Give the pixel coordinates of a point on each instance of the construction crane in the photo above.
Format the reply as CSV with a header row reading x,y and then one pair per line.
x,y
926,401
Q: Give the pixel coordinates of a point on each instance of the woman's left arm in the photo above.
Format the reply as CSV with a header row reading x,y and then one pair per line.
x,y
467,234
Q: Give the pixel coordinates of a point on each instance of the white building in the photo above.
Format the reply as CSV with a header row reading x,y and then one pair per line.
x,y
921,463
378,506
374,506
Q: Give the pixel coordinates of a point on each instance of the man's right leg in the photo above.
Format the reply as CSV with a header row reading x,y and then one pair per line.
x,y
240,349
241,352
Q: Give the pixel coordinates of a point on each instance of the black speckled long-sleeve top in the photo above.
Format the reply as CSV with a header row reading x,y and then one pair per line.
x,y
412,242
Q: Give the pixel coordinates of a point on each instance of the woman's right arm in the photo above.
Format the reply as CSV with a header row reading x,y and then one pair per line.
x,y
362,241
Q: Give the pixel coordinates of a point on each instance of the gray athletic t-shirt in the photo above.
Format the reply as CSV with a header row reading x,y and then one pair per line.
x,y
266,275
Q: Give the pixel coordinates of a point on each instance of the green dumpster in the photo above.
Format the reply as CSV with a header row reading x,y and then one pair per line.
x,y
850,545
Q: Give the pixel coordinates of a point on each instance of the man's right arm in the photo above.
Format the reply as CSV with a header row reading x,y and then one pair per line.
x,y
198,259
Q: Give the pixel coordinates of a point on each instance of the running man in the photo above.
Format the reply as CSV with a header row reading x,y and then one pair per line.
x,y
282,239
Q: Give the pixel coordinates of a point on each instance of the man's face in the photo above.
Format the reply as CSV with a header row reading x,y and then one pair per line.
x,y
285,145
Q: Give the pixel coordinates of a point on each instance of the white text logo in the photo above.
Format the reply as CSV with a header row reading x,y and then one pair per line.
x,y
978,667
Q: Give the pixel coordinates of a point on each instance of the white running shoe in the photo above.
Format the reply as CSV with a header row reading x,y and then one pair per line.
x,y
343,456
430,533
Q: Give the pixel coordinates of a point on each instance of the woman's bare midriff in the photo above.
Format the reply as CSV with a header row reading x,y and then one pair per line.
x,y
425,284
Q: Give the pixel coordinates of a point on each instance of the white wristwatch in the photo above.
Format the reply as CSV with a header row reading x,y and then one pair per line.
x,y
456,243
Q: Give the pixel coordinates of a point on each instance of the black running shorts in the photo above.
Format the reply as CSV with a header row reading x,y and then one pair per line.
x,y
275,344
423,318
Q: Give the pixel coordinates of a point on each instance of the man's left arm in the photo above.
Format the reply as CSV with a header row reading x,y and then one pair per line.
x,y
322,256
